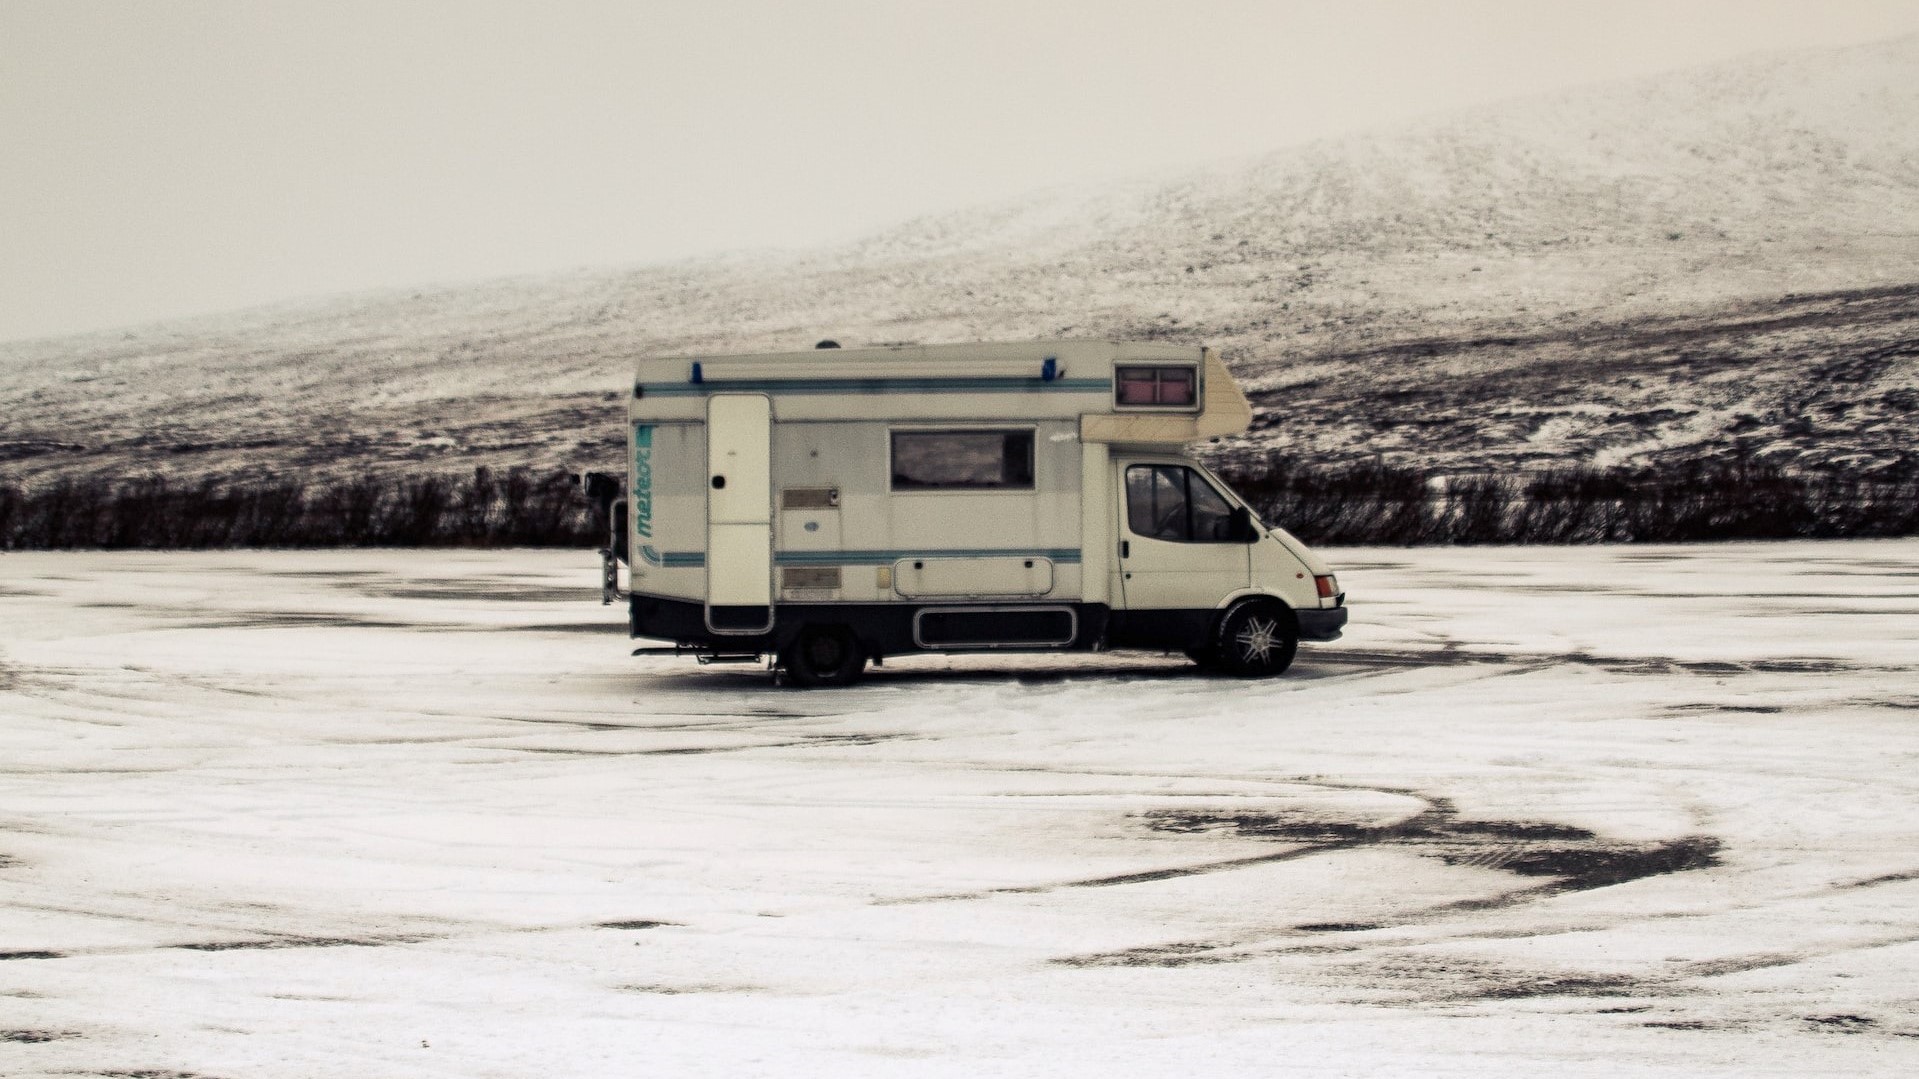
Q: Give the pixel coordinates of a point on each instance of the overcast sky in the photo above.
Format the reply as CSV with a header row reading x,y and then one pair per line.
x,y
163,159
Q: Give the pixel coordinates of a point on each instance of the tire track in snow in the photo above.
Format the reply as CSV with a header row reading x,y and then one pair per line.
x,y
1576,859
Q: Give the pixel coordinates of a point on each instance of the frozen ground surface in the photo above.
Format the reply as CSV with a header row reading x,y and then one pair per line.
x,y
1614,811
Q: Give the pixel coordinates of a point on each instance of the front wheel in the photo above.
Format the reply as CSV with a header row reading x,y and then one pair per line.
x,y
824,656
1257,640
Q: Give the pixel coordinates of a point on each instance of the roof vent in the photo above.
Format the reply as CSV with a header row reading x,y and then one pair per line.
x,y
828,343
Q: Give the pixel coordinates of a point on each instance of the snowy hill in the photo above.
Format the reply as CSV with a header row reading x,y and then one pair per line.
x,y
1609,274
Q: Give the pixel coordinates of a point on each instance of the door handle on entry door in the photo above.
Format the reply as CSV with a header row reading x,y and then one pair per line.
x,y
1125,549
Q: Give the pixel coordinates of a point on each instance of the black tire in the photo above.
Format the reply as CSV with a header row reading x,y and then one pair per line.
x,y
824,656
1257,640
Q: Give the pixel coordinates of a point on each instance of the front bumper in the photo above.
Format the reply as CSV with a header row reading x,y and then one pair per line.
x,y
1321,625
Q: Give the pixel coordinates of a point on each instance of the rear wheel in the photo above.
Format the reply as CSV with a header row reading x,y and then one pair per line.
x,y
824,656
1257,640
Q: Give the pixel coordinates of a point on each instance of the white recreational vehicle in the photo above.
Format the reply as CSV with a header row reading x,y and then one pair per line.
x,y
831,507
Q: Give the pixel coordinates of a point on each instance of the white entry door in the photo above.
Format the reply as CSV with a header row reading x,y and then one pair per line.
x,y
739,513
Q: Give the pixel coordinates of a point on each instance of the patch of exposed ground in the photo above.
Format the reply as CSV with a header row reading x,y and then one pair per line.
x,y
1561,858
35,1037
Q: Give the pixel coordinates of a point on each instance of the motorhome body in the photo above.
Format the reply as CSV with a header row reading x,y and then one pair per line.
x,y
830,506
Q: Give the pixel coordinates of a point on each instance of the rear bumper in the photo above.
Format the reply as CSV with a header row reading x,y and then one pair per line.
x,y
1321,625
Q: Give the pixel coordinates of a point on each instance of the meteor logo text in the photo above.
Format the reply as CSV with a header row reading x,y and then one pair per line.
x,y
643,480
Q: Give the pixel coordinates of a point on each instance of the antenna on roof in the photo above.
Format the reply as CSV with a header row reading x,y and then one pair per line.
x,y
828,343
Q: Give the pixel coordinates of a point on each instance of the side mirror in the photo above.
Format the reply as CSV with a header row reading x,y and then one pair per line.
x,y
617,541
1242,527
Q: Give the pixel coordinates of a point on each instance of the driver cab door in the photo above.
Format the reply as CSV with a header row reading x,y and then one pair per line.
x,y
1179,548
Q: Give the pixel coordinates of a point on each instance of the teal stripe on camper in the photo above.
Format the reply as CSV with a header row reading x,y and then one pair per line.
x,y
678,559
876,386
672,559
883,558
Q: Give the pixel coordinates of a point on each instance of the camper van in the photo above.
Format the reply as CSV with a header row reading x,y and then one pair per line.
x,y
834,507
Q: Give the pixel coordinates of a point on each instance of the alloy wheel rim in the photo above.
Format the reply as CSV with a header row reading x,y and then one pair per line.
x,y
1257,640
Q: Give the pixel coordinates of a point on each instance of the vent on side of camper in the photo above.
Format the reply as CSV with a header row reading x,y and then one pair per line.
x,y
809,498
799,577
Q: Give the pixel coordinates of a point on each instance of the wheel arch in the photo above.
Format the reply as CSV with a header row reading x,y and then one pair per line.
x,y
1240,600
1240,647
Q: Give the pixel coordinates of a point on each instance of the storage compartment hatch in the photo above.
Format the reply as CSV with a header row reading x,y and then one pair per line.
x,y
996,575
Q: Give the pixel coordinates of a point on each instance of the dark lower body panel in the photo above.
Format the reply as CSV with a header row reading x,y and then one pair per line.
x,y
890,629
887,629
1178,631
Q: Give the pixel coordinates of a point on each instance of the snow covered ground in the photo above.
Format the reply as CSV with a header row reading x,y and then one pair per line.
x,y
1600,811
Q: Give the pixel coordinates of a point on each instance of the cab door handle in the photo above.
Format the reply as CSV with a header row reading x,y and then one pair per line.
x,y
1125,549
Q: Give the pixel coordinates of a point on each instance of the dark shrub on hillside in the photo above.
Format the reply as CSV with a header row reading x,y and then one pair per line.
x,y
524,508
1354,504
1691,502
1365,503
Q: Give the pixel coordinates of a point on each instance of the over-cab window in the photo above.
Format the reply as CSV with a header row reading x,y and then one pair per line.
x,y
972,460
1169,502
1156,387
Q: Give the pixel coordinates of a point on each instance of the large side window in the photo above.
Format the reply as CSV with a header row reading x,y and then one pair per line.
x,y
1172,503
963,460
